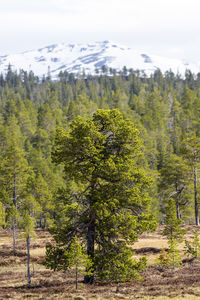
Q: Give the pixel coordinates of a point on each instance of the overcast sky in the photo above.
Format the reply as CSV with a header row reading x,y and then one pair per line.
x,y
164,27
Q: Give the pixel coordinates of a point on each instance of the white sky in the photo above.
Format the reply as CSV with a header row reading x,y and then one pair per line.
x,y
164,27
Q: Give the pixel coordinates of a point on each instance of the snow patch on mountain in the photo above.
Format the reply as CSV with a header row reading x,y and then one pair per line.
x,y
89,57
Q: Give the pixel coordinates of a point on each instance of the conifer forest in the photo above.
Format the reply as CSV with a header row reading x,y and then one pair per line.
x,y
96,161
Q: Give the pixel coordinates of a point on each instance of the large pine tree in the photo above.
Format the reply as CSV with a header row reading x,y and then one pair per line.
x,y
109,209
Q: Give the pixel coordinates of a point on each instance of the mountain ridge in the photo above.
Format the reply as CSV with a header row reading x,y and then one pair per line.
x,y
90,57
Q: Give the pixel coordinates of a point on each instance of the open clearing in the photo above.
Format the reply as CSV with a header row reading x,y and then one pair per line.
x,y
158,283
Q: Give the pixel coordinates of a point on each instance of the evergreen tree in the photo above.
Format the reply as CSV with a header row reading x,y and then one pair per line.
x,y
117,264
72,257
175,233
174,183
172,228
2,215
101,155
43,197
28,227
192,248
172,257
191,151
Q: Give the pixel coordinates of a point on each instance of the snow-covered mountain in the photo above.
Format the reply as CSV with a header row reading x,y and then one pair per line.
x,y
89,57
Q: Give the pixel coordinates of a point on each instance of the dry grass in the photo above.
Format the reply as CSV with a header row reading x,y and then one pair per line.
x,y
159,282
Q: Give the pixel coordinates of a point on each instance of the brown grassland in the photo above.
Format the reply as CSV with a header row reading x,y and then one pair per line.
x,y
158,283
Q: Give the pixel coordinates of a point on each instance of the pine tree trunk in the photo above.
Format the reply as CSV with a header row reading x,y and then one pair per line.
x,y
15,193
45,223
76,277
90,247
40,222
117,287
14,236
13,220
28,260
178,213
195,197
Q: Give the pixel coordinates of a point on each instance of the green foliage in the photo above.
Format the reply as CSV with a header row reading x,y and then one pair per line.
x,y
76,256
191,151
102,156
43,196
192,248
172,228
27,224
72,256
175,183
13,216
172,257
175,234
2,216
114,263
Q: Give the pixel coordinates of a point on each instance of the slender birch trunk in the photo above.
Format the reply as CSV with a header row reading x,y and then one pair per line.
x,y
14,217
195,198
28,260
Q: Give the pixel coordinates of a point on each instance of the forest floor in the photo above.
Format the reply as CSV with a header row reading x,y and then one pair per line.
x,y
158,283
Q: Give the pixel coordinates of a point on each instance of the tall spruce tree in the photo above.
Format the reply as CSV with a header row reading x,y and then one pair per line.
x,y
174,183
191,151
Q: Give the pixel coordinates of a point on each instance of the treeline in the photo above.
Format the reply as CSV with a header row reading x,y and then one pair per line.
x,y
164,107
